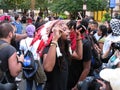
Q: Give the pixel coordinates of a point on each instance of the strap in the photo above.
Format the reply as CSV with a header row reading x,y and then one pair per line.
x,y
4,77
4,73
28,47
3,45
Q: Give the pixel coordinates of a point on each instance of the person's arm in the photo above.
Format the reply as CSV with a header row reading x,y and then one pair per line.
x,y
105,55
20,36
87,53
78,53
15,64
49,59
79,50
85,72
106,49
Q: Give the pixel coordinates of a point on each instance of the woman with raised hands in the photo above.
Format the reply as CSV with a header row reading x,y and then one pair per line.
x,y
57,56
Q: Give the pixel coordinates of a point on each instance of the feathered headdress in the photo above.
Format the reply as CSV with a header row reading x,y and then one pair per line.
x,y
45,35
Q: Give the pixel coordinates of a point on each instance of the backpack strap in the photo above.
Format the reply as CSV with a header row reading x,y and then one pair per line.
x,y
28,47
3,45
4,77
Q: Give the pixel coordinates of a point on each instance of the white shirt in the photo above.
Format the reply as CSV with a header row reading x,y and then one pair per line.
x,y
97,36
33,48
109,39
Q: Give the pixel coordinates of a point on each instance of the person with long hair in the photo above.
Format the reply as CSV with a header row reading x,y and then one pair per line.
x,y
57,57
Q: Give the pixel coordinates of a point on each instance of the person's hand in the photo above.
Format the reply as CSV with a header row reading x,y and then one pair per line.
x,y
118,54
57,31
97,49
74,88
78,34
102,83
20,58
78,22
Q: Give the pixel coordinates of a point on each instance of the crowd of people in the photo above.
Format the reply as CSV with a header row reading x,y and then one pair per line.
x,y
75,54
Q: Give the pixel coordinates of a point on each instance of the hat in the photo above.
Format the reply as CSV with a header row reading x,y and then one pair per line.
x,y
115,26
112,76
29,20
30,29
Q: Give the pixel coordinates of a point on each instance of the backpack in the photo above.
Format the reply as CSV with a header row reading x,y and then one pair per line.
x,y
29,65
29,62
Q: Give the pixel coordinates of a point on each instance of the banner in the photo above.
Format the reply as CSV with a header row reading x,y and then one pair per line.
x,y
112,3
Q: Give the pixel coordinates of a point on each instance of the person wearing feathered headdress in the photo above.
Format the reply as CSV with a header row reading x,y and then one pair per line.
x,y
56,52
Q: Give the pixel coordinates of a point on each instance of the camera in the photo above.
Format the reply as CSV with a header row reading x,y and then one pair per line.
x,y
83,28
90,83
116,45
19,52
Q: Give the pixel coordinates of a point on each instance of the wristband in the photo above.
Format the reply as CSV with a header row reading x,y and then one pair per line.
x,y
54,42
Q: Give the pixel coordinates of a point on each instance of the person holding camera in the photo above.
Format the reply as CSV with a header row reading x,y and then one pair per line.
x,y
79,69
113,37
11,63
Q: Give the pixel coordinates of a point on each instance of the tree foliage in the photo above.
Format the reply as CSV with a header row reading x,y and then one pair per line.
x,y
14,4
57,6
77,5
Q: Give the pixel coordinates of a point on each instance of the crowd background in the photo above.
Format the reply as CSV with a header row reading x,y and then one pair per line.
x,y
95,51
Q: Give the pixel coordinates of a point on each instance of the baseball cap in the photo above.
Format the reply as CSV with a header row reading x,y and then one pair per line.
x,y
112,76
30,29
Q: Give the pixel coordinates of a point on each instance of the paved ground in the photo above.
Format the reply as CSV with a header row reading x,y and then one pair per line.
x,y
22,84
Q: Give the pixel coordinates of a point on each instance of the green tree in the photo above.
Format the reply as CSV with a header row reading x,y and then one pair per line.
x,y
13,4
106,17
73,6
56,6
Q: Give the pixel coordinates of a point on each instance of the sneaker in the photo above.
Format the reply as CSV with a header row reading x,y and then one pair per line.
x,y
18,79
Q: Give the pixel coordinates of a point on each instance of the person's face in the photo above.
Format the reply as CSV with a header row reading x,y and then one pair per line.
x,y
65,33
19,18
99,32
92,27
13,33
89,25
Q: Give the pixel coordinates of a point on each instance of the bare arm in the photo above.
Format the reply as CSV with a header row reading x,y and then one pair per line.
x,y
49,59
85,72
20,36
78,53
105,55
15,67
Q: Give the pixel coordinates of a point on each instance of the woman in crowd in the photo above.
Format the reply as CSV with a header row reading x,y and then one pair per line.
x,y
56,64
24,46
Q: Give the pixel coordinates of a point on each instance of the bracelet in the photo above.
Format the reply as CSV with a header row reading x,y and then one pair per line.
x,y
54,42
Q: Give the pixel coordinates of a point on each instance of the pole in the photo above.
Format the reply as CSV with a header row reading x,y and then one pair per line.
x,y
111,12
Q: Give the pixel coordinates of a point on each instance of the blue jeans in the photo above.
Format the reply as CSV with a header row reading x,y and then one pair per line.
x,y
30,85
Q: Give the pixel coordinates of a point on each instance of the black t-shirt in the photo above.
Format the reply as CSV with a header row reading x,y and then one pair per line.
x,y
76,66
5,54
57,79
